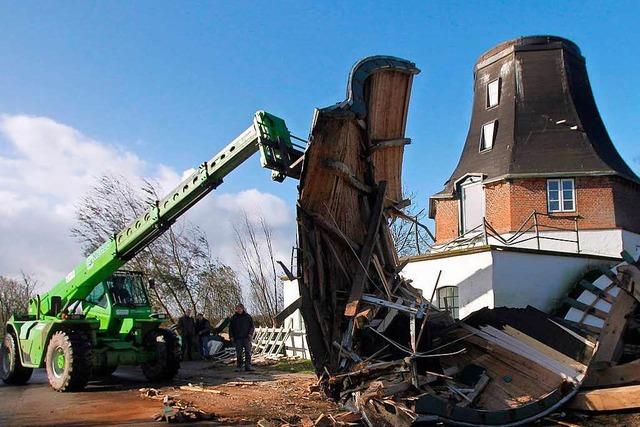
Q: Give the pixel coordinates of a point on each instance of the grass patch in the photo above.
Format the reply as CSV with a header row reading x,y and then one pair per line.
x,y
302,366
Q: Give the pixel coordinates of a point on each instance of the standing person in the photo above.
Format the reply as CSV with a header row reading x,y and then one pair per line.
x,y
187,328
203,330
241,331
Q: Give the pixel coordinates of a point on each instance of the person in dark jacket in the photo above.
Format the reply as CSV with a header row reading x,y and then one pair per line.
x,y
241,331
203,330
187,328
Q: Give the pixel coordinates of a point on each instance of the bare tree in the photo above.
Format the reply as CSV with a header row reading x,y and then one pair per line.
x,y
185,274
14,296
410,235
220,288
255,248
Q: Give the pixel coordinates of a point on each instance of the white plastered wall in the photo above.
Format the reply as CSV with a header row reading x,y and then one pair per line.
x,y
495,278
537,279
472,273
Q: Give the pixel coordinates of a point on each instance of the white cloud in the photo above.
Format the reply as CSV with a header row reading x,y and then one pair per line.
x,y
46,166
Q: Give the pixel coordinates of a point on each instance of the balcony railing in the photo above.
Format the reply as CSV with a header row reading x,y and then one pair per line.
x,y
537,226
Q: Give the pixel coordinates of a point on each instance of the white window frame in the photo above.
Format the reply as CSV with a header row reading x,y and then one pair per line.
x,y
488,105
561,199
493,137
455,308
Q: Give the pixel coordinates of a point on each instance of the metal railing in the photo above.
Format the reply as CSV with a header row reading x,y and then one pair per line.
x,y
470,238
532,228
533,225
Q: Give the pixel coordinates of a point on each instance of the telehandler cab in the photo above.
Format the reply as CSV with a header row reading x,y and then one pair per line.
x,y
99,316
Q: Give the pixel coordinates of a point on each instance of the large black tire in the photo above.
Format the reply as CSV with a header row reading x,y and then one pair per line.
x,y
68,361
167,355
11,369
103,372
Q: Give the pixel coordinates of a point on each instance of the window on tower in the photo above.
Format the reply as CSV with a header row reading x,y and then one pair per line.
x,y
561,195
493,93
488,135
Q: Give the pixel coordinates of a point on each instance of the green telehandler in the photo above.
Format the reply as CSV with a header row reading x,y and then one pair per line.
x,y
99,316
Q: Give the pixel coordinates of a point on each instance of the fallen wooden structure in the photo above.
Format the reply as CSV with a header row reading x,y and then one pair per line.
x,y
382,348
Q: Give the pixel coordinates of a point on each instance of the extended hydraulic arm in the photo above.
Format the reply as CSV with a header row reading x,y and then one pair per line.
x,y
268,134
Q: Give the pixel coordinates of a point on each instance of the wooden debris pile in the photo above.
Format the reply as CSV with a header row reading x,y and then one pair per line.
x,y
379,346
608,307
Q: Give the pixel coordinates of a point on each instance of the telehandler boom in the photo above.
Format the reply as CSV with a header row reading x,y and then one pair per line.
x,y
99,316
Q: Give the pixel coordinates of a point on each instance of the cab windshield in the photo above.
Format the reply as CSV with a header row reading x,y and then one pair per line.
x,y
127,290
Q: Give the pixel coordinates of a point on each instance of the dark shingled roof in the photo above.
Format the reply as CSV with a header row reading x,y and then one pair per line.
x,y
548,121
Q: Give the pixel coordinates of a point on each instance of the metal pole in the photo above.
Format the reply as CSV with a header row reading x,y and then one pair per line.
x,y
426,316
417,240
484,230
535,224
575,223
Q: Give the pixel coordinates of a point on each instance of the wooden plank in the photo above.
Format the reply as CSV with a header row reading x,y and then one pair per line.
x,y
545,349
609,346
596,290
588,328
282,342
579,337
498,337
586,308
626,373
480,385
343,171
288,311
381,275
629,279
516,361
607,399
524,384
357,287
391,314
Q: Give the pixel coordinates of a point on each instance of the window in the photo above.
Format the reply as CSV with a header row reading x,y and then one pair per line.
x,y
488,135
127,290
98,296
561,195
448,300
493,93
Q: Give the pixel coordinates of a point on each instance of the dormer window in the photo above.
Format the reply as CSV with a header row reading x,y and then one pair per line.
x,y
488,135
493,93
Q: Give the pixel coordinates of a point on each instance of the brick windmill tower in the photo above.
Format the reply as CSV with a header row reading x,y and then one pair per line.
x,y
538,176
536,142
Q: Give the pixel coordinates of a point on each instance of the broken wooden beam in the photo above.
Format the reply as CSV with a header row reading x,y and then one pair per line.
x,y
626,373
366,252
607,399
609,346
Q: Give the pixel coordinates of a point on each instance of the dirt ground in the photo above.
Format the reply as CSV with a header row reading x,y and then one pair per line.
x,y
243,398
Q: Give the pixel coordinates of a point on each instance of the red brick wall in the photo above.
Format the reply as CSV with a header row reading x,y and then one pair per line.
x,y
594,203
446,219
497,206
601,202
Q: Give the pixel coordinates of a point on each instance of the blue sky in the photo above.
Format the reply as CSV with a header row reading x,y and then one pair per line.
x,y
173,82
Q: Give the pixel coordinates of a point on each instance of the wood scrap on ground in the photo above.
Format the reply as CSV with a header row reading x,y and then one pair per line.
x,y
175,410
